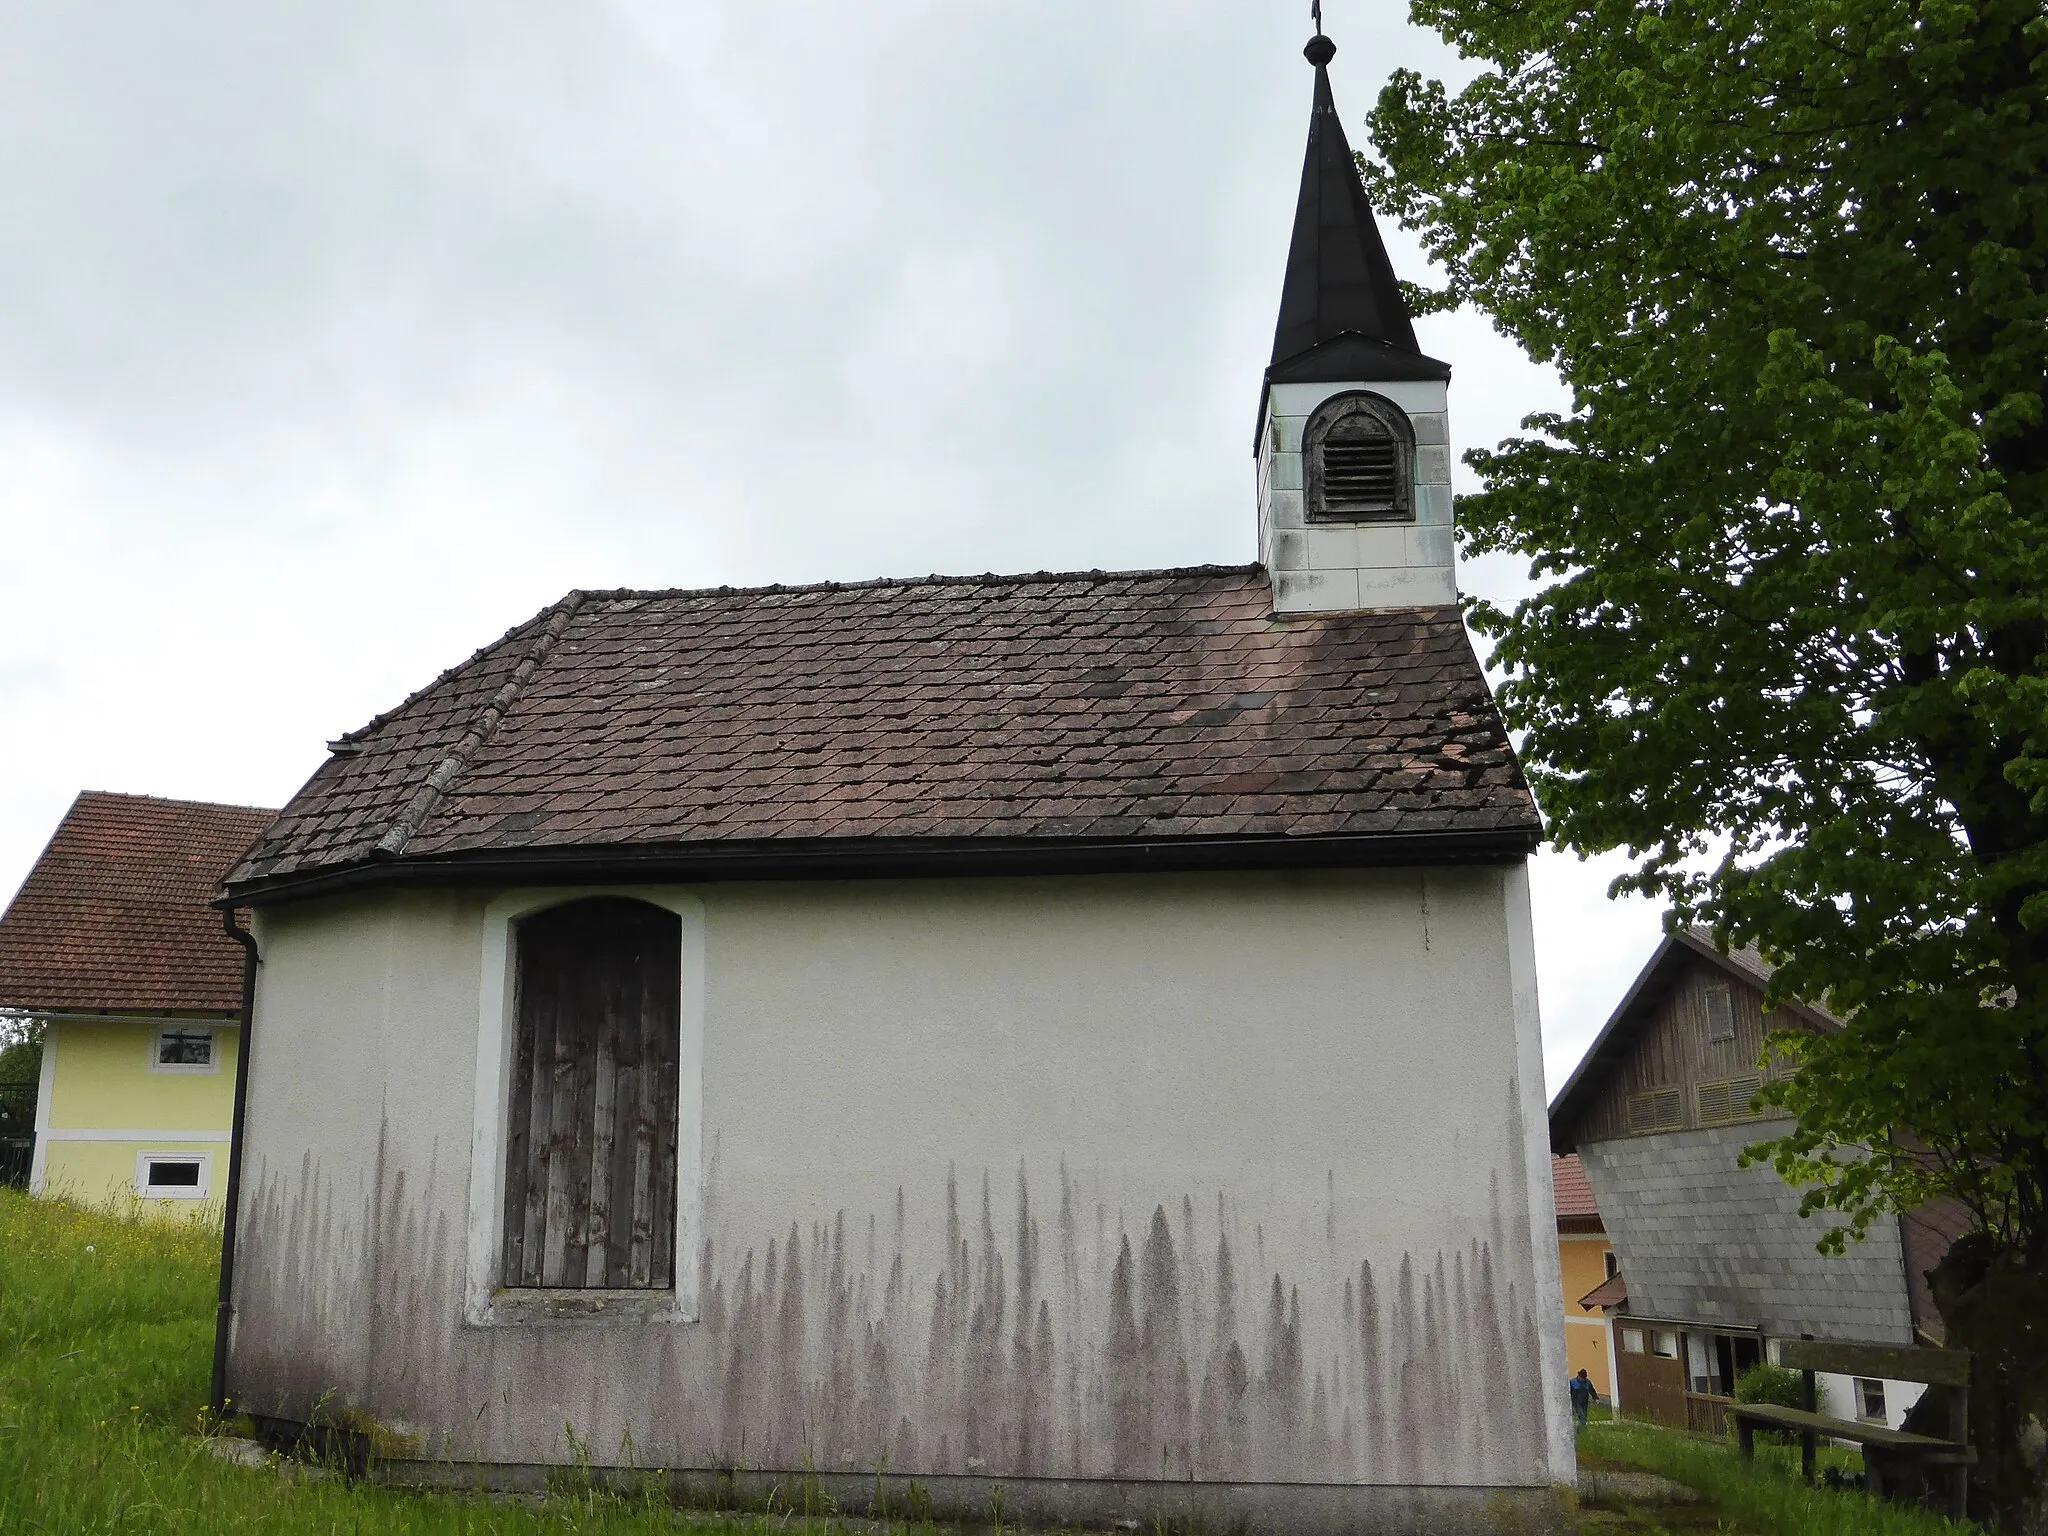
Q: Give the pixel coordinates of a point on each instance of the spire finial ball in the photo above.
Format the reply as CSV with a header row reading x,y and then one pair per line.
x,y
1320,50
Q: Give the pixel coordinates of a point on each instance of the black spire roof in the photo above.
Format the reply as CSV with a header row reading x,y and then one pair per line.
x,y
1341,314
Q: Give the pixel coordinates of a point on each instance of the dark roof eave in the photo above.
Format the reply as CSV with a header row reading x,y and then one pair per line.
x,y
897,858
120,1011
1350,358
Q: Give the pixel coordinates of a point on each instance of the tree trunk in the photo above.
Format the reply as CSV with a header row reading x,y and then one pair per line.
x,y
1995,1305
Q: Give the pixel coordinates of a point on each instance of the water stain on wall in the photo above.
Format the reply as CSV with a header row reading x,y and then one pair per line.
x,y
1029,1340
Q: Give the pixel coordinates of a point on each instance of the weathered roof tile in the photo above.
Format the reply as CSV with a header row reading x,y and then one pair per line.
x,y
1136,705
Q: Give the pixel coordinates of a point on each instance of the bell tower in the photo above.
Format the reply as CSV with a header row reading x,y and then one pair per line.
x,y
1353,444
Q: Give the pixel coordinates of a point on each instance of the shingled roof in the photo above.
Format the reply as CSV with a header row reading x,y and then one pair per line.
x,y
114,917
1161,719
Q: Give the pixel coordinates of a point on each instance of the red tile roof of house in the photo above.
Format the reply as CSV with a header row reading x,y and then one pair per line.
x,y
1139,710
1568,1185
113,918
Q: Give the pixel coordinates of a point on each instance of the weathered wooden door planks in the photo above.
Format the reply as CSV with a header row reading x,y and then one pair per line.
x,y
590,1177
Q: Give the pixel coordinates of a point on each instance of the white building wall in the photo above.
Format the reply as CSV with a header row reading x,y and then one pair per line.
x,y
1210,1178
1341,567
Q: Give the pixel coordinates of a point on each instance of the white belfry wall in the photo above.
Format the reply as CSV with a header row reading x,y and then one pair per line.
x,y
1348,567
1211,1179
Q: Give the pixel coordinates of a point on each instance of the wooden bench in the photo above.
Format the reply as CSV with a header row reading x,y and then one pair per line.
x,y
1944,1369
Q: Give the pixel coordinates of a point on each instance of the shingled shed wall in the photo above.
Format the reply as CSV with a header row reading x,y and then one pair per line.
x,y
1704,1240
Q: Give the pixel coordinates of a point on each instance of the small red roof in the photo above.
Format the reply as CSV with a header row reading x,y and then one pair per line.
x,y
1568,1184
1611,1292
113,918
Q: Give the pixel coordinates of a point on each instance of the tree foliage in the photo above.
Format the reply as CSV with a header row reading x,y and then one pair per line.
x,y
21,1046
1792,260
1790,643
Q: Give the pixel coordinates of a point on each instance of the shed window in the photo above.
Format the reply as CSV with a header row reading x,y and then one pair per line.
x,y
590,1174
1632,1340
1359,461
1701,1365
1870,1399
1720,1013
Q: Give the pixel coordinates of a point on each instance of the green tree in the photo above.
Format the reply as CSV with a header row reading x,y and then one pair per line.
x,y
1790,642
21,1047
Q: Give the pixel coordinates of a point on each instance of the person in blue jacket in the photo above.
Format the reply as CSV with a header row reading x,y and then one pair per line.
x,y
1584,1396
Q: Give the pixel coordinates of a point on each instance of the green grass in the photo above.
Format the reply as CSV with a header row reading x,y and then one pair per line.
x,y
106,1335
106,1339
1767,1493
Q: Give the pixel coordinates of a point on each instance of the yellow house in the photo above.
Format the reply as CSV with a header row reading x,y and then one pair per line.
x,y
111,944
1587,1261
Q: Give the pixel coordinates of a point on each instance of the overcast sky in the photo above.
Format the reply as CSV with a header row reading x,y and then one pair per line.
x,y
334,340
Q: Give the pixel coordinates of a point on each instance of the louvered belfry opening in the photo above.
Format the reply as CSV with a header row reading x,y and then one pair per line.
x,y
1359,450
590,1185
1360,478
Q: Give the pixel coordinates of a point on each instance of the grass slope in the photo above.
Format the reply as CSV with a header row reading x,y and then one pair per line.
x,y
106,1335
1767,1494
106,1339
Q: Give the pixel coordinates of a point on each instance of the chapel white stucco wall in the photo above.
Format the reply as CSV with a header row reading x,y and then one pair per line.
x,y
1220,1178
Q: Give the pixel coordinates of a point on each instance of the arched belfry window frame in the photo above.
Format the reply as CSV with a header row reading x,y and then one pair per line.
x,y
1358,461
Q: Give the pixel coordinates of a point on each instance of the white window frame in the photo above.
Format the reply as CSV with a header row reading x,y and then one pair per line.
x,y
486,1303
180,1068
1857,1386
201,1191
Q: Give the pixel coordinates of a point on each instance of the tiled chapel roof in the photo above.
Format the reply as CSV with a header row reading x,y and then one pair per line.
x,y
957,713
113,918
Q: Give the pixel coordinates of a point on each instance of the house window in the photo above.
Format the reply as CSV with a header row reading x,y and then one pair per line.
x,y
590,1160
183,1049
1613,1264
1869,1399
1720,1007
1659,1109
174,1175
1358,455
1632,1340
1664,1344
